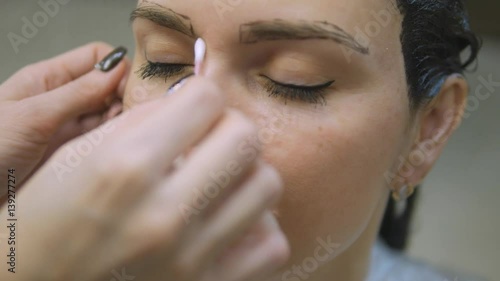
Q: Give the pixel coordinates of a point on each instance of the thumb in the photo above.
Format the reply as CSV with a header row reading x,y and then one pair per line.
x,y
84,95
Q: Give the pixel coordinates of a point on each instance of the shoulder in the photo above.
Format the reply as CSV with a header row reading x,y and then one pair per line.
x,y
389,265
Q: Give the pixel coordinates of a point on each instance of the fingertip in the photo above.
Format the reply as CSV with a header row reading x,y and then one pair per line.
x,y
279,249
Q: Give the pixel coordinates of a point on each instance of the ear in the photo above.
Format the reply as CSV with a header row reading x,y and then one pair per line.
x,y
436,122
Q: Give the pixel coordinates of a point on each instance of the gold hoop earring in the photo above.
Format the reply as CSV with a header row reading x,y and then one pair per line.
x,y
403,193
400,197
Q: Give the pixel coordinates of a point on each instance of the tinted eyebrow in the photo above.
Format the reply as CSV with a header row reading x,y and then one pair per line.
x,y
278,29
165,17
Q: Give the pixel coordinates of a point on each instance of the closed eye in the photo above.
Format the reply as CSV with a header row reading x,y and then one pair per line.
x,y
312,94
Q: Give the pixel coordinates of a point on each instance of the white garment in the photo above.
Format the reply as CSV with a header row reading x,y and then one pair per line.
x,y
389,265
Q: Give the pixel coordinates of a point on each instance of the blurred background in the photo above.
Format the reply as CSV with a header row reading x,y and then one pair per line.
x,y
457,223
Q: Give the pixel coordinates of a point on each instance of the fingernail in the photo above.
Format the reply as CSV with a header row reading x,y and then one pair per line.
x,y
177,85
111,60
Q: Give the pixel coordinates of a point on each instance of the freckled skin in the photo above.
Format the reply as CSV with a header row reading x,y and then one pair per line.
x,y
332,157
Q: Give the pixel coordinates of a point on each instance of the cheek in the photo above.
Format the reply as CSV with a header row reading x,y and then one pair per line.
x,y
333,172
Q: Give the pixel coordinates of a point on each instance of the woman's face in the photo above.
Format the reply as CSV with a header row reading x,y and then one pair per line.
x,y
333,142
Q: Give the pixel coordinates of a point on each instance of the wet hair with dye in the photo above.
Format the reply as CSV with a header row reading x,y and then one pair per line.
x,y
435,33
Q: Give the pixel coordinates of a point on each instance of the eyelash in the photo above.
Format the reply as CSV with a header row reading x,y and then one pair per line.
x,y
163,70
310,94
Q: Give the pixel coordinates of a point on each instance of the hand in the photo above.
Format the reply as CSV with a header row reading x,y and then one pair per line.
x,y
124,207
48,103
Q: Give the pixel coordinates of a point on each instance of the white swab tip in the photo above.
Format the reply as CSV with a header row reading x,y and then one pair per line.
x,y
200,48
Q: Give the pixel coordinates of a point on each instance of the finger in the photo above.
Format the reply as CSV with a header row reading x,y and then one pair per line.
x,y
263,250
71,130
120,92
241,210
163,129
216,165
50,74
114,110
81,96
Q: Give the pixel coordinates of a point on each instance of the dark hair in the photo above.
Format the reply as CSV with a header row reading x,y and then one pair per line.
x,y
434,35
395,230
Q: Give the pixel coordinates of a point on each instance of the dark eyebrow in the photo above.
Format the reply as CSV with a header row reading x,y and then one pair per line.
x,y
165,17
279,29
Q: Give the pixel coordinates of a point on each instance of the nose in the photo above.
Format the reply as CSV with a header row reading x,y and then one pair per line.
x,y
220,66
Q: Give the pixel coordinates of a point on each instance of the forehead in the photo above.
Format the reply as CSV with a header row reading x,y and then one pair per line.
x,y
348,14
375,24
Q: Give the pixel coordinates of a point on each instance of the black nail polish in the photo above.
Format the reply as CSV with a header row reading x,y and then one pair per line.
x,y
111,60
